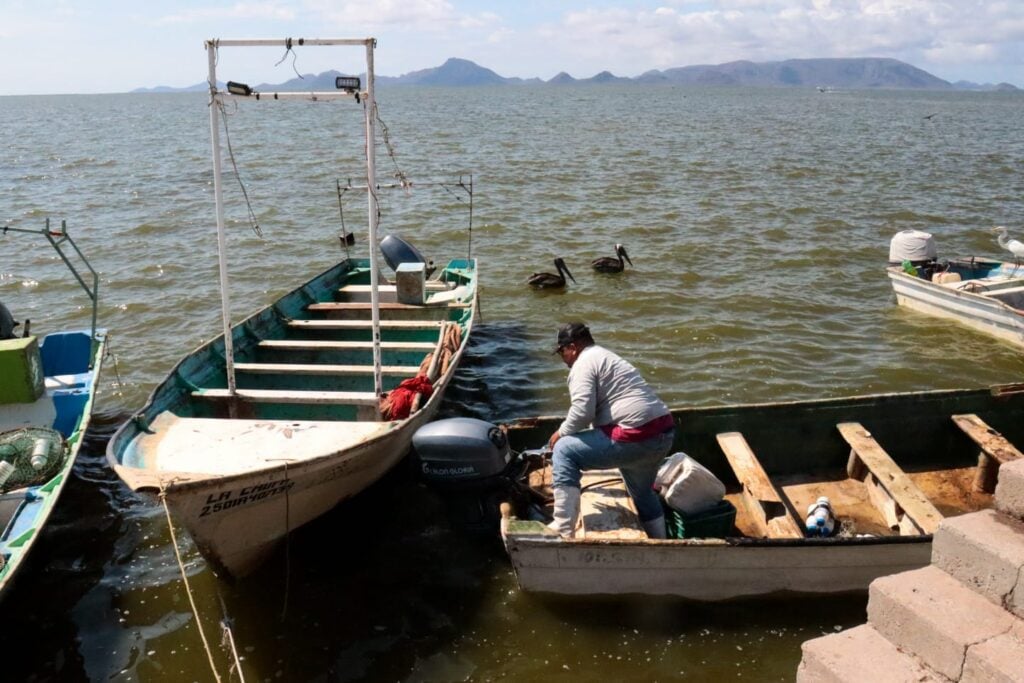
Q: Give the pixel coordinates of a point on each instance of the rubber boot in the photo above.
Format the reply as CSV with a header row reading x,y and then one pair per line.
x,y
655,528
567,511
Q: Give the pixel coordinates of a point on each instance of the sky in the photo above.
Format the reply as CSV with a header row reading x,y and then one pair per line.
x,y
103,46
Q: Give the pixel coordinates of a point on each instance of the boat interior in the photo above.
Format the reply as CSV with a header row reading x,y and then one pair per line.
x,y
304,372
899,479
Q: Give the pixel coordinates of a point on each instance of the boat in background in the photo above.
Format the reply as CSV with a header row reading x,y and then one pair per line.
x,y
311,399
984,294
46,400
892,467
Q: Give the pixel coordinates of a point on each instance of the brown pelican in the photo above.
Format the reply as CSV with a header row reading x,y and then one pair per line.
x,y
550,280
612,264
1015,247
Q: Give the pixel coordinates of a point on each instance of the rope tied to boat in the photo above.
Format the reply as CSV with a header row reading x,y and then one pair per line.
x,y
225,622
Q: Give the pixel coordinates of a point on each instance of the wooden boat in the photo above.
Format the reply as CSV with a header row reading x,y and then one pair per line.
x,y
46,400
296,408
984,294
892,465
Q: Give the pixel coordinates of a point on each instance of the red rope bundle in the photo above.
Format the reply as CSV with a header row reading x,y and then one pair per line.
x,y
398,403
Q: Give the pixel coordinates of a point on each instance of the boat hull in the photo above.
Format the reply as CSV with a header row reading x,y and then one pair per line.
x,y
705,570
237,522
982,310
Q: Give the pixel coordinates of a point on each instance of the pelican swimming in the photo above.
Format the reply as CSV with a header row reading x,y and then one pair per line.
x,y
1015,247
550,280
612,264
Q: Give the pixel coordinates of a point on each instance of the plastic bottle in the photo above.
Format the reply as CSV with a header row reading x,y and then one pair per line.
x,y
6,470
821,521
39,454
909,268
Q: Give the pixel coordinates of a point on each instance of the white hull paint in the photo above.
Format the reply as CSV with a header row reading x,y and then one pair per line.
x,y
237,521
979,311
704,570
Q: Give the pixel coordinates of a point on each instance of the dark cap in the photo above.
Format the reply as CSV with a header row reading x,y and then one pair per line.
x,y
569,333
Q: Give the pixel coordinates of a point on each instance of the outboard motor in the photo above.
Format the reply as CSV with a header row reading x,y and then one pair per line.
x,y
916,247
470,461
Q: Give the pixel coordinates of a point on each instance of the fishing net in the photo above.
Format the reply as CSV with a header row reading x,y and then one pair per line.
x,y
30,456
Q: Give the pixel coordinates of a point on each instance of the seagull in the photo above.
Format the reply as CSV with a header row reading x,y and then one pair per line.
x,y
612,264
550,280
1015,247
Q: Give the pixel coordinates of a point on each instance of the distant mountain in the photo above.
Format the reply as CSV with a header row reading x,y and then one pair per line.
x,y
862,73
454,72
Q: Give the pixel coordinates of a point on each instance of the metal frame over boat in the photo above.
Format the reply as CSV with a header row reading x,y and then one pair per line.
x,y
70,366
984,294
280,418
893,466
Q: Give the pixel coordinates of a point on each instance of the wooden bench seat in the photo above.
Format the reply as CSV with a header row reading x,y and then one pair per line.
x,y
351,398
323,369
364,324
430,285
606,508
308,345
995,450
888,481
762,500
327,306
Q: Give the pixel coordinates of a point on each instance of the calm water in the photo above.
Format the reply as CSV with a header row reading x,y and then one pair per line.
x,y
758,221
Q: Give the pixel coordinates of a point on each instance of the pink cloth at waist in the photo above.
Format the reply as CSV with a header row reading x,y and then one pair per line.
x,y
645,431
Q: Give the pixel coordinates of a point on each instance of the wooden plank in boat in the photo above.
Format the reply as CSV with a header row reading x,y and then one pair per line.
x,y
364,324
284,396
307,345
606,508
361,306
867,453
762,500
995,450
431,286
323,369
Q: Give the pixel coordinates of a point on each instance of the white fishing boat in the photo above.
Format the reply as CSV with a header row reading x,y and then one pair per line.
x,y
46,397
311,399
982,293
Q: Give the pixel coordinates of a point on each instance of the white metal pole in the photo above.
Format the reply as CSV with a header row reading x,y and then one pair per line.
x,y
371,193
225,296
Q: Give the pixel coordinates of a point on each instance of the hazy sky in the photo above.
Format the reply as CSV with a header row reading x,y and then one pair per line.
x,y
69,46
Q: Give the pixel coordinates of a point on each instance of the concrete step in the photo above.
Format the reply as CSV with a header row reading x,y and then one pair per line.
x,y
931,615
1010,489
985,552
857,655
997,660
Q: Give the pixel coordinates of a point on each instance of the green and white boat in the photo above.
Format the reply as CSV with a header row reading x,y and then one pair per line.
x,y
299,406
46,398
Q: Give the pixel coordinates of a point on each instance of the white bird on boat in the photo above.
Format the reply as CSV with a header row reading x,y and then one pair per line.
x,y
1015,247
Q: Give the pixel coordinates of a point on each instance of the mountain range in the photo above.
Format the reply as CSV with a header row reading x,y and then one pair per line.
x,y
858,73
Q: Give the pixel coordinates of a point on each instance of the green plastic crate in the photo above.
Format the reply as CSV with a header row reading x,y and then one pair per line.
x,y
21,369
715,522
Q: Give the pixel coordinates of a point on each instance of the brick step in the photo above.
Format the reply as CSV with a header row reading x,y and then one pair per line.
x,y
1010,489
857,655
931,615
985,552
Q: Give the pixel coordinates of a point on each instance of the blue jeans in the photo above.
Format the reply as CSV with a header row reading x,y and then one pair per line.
x,y
594,450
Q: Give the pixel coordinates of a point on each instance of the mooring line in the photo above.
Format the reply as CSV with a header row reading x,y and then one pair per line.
x,y
188,588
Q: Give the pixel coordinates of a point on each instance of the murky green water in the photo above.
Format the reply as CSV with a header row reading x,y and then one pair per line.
x,y
758,221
